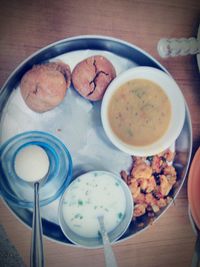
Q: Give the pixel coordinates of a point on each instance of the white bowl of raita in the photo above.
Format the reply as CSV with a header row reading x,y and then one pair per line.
x,y
143,111
93,194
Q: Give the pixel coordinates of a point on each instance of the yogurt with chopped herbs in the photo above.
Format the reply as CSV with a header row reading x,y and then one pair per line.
x,y
90,195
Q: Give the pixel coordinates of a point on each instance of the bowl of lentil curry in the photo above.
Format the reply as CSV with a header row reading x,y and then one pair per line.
x,y
143,111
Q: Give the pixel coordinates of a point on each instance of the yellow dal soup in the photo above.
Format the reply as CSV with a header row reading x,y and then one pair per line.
x,y
139,112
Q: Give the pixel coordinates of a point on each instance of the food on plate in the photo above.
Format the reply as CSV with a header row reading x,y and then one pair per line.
x,y
151,180
139,112
31,163
44,86
92,76
90,195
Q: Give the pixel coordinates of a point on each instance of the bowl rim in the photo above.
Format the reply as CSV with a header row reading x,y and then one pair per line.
x,y
44,144
127,194
178,109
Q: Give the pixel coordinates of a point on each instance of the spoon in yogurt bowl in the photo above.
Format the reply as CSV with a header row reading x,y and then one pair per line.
x,y
108,252
32,165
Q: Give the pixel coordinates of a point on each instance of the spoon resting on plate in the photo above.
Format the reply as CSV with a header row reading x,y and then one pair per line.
x,y
108,252
172,47
32,165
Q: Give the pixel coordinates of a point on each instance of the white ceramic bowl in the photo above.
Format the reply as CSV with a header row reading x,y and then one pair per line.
x,y
117,232
171,89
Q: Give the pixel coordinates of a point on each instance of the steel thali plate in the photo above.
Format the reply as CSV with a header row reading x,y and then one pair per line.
x,y
126,51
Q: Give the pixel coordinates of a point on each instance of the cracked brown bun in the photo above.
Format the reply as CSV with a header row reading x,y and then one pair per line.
x,y
44,86
92,76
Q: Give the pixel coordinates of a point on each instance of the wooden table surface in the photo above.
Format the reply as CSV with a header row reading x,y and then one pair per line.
x,y
26,26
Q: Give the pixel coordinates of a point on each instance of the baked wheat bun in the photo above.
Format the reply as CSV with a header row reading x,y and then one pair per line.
x,y
44,86
92,76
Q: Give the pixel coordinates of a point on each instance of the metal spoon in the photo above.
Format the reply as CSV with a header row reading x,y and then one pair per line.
x,y
32,165
108,252
172,47
37,252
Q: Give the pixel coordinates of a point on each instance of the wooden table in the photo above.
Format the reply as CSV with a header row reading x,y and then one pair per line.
x,y
26,26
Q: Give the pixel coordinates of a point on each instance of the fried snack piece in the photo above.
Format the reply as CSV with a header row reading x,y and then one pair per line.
x,y
139,209
92,76
165,186
141,170
44,86
150,181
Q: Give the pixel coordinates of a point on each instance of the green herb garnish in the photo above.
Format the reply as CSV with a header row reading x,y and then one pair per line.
x,y
120,215
80,202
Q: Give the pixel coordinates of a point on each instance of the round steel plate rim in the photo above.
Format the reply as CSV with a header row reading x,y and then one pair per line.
x,y
101,37
89,37
79,38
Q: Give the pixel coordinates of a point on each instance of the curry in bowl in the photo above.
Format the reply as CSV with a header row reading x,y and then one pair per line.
x,y
139,112
143,111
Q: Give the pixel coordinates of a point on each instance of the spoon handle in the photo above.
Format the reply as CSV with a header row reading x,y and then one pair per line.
x,y
178,47
109,255
37,255
108,252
